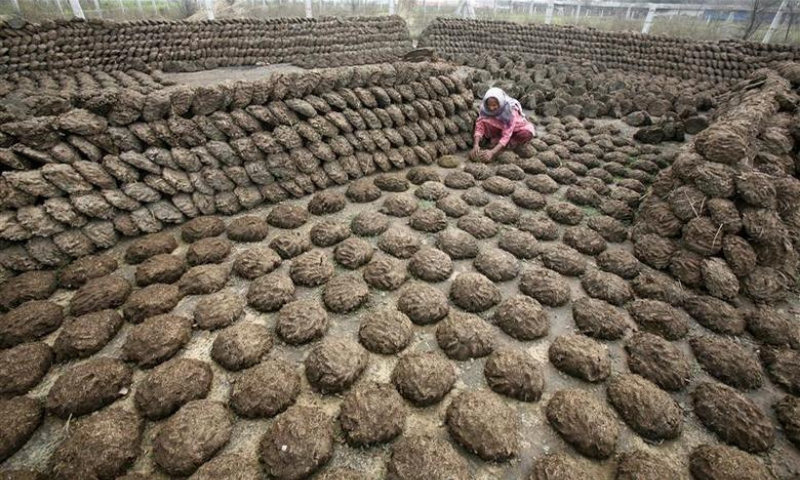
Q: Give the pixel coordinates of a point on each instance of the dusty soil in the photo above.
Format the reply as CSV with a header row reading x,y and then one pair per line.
x,y
210,77
333,277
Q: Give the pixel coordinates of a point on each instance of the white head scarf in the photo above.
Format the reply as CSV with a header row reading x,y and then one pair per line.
x,y
507,105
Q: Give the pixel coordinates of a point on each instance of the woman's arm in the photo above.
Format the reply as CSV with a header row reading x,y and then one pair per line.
x,y
517,119
505,137
508,131
480,130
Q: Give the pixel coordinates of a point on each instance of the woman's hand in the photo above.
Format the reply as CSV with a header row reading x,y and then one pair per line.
x,y
486,155
475,153
476,146
490,154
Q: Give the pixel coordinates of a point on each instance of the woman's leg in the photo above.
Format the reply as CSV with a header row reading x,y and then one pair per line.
x,y
489,142
490,137
520,137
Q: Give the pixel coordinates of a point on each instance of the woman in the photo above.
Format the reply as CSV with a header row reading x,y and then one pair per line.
x,y
502,123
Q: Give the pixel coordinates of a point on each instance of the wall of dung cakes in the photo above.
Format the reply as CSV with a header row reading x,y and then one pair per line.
x,y
563,87
188,46
78,181
38,94
718,61
725,216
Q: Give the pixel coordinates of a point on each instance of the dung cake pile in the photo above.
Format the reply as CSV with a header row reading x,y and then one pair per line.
x,y
122,163
557,87
48,67
651,54
724,216
63,45
460,317
305,276
50,93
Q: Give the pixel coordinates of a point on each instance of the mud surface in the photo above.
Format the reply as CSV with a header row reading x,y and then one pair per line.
x,y
290,354
211,77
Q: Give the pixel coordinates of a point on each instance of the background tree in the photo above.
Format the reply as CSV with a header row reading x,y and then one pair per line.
x,y
758,10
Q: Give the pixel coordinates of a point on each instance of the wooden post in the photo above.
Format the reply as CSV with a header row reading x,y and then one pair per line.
x,y
141,10
309,11
464,9
77,11
16,5
531,9
578,12
648,20
121,6
548,14
391,7
97,8
155,6
776,20
494,9
628,14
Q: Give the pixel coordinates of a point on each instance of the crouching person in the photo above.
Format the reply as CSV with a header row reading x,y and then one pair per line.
x,y
501,124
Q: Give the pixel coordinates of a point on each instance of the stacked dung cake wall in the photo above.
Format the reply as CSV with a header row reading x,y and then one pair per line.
x,y
187,46
563,87
654,54
116,162
725,216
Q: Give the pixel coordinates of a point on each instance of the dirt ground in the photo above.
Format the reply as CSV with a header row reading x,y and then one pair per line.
x,y
538,438
218,75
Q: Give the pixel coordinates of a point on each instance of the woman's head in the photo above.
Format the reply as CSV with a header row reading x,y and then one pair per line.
x,y
493,101
492,104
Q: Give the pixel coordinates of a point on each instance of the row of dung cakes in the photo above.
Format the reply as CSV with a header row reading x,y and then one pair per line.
x,y
51,93
185,46
78,181
655,54
725,216
564,87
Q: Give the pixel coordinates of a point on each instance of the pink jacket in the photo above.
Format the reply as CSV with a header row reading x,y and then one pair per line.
x,y
490,127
